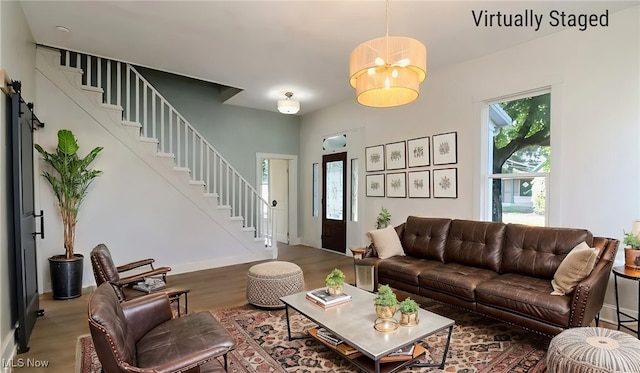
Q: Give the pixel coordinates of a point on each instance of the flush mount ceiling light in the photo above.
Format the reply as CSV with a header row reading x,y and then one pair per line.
x,y
288,106
387,71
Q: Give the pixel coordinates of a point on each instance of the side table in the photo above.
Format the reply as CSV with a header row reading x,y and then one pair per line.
x,y
363,271
630,274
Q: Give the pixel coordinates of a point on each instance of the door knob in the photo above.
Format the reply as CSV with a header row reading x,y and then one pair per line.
x,y
274,203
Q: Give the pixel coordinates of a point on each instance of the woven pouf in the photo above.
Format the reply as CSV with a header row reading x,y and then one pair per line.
x,y
593,350
267,282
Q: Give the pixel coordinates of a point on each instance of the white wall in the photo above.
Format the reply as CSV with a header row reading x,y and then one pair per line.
x,y
17,57
595,162
130,207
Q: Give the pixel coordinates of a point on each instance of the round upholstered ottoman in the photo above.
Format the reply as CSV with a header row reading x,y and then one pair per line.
x,y
267,282
593,350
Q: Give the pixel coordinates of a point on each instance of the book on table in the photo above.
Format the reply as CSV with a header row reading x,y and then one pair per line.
x,y
324,299
150,284
328,337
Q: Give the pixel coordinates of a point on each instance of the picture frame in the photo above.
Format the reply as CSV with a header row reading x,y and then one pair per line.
x,y
419,184
375,185
396,155
445,148
419,152
396,185
445,183
374,156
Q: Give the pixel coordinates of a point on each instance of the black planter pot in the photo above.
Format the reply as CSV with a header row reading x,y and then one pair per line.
x,y
66,276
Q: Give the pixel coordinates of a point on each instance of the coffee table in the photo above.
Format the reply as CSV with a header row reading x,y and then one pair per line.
x,y
353,322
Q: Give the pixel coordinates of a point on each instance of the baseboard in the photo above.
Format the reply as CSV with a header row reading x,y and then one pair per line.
x,y
9,351
608,313
215,263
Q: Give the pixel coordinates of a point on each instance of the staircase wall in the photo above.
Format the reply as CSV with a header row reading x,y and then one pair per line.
x,y
140,207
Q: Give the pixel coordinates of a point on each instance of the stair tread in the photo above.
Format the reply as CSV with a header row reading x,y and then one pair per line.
x,y
131,124
148,139
112,106
92,88
71,69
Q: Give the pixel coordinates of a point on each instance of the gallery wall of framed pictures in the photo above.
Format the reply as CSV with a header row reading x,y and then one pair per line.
x,y
426,162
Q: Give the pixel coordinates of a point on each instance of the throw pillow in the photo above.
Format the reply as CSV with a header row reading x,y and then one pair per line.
x,y
575,267
386,242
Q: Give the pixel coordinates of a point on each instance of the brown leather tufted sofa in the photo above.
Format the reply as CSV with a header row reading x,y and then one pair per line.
x,y
500,270
140,335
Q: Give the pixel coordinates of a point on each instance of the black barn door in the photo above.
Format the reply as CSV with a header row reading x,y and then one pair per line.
x,y
20,131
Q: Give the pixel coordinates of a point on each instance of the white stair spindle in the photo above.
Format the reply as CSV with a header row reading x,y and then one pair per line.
x,y
137,99
128,92
209,171
162,136
153,115
215,173
88,70
170,131
227,182
186,145
145,123
178,154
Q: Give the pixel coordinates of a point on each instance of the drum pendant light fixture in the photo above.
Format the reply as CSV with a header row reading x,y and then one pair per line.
x,y
387,71
288,106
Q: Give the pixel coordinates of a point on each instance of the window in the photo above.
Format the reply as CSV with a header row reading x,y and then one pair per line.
x,y
316,194
518,160
354,189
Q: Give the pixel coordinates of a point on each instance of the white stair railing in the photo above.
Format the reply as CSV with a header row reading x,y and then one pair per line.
x,y
123,86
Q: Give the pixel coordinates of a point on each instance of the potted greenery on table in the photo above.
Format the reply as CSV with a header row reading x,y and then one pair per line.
x,y
632,251
408,312
335,282
69,180
385,302
383,219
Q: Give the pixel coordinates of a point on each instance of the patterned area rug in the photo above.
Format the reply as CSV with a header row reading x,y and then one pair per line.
x,y
478,345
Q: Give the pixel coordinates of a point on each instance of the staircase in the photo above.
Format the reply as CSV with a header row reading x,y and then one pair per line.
x,y
142,119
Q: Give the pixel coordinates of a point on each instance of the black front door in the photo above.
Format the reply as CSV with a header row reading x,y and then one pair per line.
x,y
334,202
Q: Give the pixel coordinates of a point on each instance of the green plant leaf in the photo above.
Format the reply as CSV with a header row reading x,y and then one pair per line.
x,y
67,143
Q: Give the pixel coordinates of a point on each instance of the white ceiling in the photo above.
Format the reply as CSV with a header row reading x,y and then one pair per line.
x,y
267,48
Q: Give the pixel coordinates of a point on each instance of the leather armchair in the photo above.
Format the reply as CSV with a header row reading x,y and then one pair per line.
x,y
140,335
104,270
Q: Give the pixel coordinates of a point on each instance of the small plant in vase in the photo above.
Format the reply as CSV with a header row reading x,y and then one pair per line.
x,y
383,219
385,302
335,282
632,251
408,312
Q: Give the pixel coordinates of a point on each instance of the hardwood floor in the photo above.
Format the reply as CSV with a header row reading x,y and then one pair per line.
x,y
54,337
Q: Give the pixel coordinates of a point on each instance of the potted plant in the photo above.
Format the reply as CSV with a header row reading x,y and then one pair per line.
x,y
385,302
632,251
69,180
408,312
335,282
383,219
